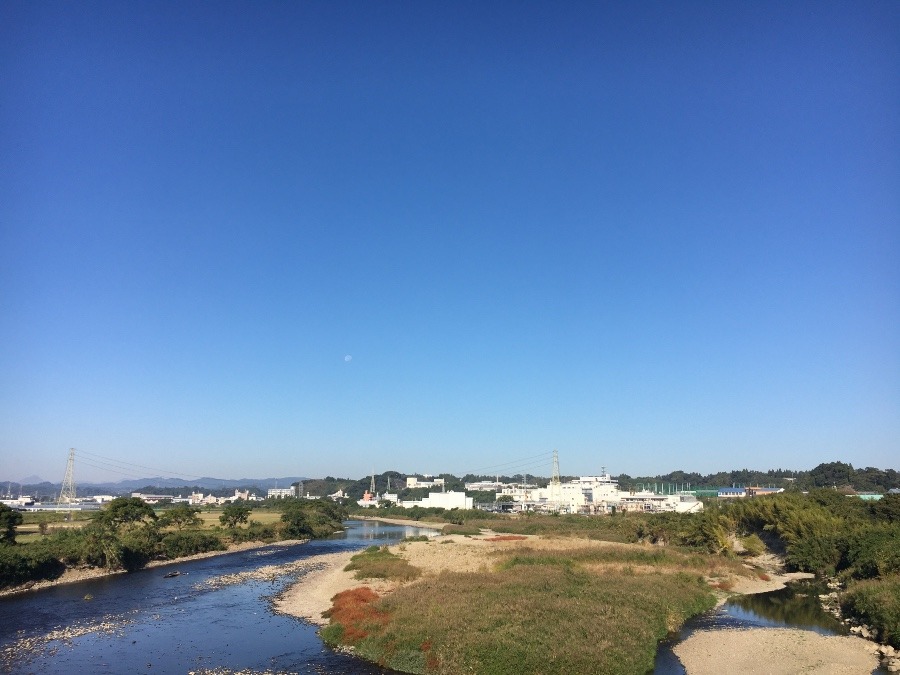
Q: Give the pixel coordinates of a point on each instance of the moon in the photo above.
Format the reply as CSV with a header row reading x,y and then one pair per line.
x,y
348,358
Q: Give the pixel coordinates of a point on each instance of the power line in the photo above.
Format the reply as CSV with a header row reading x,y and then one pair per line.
x,y
522,461
121,464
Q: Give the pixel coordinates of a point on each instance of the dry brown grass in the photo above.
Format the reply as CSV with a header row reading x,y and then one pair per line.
x,y
355,612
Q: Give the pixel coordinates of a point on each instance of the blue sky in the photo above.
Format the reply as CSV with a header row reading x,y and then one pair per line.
x,y
653,236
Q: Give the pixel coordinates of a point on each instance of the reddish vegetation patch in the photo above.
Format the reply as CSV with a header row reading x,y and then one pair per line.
x,y
725,585
355,611
763,576
507,537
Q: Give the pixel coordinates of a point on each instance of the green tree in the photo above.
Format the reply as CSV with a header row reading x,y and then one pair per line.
x,y
9,519
127,511
235,513
180,516
307,518
887,508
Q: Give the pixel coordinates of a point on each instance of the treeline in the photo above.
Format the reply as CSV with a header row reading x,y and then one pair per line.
x,y
831,475
127,534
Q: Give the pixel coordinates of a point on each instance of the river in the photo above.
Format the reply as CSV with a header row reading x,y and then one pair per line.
x,y
146,623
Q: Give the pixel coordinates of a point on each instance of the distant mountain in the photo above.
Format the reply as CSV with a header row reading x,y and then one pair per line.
x,y
206,483
40,486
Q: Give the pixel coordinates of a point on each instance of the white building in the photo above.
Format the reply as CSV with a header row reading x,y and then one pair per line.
x,y
427,482
278,493
598,494
442,500
18,502
679,502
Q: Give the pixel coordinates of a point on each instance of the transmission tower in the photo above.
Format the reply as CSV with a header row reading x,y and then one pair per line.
x,y
67,493
372,487
555,478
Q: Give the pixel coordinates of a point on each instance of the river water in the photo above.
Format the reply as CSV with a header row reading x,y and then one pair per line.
x,y
145,623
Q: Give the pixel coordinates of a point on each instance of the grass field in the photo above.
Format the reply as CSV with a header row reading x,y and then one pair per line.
x,y
29,530
542,611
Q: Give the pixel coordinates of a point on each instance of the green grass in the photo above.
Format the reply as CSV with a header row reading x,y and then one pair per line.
x,y
379,563
468,530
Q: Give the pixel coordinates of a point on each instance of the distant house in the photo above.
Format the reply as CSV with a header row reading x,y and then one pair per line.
x,y
762,491
152,499
412,482
732,492
894,491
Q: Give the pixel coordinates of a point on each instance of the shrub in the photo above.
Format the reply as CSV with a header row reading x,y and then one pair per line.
x,y
180,544
19,565
379,563
753,545
255,531
468,530
873,552
876,602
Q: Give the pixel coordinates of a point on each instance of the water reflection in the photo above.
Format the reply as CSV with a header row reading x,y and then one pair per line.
x,y
797,606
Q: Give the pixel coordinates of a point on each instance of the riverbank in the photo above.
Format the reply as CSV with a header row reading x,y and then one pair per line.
x,y
75,575
779,651
775,651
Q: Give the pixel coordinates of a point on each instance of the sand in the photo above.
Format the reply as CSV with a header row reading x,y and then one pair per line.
x,y
775,651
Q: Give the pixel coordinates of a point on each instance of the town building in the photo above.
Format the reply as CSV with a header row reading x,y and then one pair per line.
x,y
279,493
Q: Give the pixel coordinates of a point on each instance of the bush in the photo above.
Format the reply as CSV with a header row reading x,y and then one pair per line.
x,y
876,602
461,529
255,531
19,565
873,552
180,544
379,563
753,545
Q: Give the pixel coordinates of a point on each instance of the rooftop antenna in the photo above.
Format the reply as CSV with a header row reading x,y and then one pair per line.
x,y
67,492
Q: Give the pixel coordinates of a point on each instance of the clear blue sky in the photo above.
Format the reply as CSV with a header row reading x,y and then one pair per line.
x,y
653,236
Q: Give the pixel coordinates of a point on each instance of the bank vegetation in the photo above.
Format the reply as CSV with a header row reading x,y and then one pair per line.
x,y
127,534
